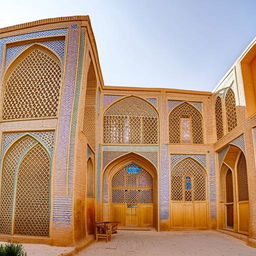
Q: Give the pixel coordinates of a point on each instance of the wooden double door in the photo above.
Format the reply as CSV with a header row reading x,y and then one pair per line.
x,y
189,215
132,197
133,215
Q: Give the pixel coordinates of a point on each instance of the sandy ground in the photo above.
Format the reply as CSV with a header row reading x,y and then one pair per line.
x,y
44,250
175,243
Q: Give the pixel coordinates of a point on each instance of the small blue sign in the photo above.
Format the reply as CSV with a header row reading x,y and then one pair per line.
x,y
133,169
132,206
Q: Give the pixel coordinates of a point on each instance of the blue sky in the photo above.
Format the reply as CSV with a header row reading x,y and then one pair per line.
x,y
186,44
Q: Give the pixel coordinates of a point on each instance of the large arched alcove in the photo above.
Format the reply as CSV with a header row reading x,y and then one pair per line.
x,y
131,120
189,205
32,85
89,121
233,192
130,192
25,189
185,125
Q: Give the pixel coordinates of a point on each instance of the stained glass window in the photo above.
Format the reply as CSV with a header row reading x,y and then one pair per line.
x,y
188,183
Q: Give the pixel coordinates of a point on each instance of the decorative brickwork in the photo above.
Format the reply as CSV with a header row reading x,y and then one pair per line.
x,y
26,168
239,142
230,103
57,46
177,158
109,99
134,187
164,184
131,121
219,118
34,84
185,170
185,110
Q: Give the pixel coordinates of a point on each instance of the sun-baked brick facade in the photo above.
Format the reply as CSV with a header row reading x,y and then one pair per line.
x,y
75,151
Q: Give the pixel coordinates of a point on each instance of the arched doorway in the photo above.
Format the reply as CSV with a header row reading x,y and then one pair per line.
x,y
189,206
130,192
234,197
90,197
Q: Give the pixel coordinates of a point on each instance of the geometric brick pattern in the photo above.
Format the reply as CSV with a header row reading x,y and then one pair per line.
x,y
239,142
174,103
131,121
230,103
219,118
185,170
34,35
109,99
34,84
57,46
177,158
32,209
185,110
164,186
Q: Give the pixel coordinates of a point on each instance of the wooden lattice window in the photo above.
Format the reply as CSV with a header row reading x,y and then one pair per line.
x,y
89,122
131,121
219,118
188,181
32,85
192,127
242,180
230,103
26,170
132,184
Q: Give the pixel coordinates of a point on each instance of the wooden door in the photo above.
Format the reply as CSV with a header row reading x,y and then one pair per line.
x,y
132,197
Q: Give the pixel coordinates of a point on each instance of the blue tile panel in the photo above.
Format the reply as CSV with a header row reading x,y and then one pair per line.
x,y
239,142
3,41
62,211
164,184
174,103
212,186
57,46
177,158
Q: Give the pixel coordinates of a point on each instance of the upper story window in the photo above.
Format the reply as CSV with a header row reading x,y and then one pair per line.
x,y
230,104
131,121
185,125
32,85
219,118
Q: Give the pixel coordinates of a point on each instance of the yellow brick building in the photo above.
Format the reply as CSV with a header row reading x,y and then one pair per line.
x,y
74,151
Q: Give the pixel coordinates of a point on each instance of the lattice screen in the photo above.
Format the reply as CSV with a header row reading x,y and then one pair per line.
x,y
131,121
32,89
230,103
132,187
32,211
229,187
185,110
185,170
90,107
219,118
242,179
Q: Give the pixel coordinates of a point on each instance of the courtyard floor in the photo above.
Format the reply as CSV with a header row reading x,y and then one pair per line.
x,y
175,243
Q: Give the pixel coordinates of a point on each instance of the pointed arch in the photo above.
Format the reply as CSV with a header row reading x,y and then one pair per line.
x,y
32,204
32,85
131,120
230,104
89,122
185,124
188,167
141,189
25,154
219,118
